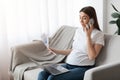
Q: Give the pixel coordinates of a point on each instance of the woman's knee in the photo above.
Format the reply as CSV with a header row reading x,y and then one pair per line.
x,y
40,75
52,77
43,74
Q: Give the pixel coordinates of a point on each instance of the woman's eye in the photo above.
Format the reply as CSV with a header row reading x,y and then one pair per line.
x,y
84,18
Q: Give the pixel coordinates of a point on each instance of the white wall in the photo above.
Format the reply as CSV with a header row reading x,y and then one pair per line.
x,y
4,55
110,28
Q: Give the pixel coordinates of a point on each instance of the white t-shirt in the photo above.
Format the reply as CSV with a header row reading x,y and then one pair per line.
x,y
78,55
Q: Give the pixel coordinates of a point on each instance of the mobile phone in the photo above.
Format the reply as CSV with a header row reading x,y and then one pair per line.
x,y
91,22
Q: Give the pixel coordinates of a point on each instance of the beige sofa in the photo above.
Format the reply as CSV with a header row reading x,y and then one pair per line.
x,y
107,63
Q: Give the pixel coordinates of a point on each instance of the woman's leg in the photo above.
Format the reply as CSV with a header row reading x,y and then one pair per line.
x,y
74,74
43,75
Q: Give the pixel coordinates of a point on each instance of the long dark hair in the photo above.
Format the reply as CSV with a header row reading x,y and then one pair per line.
x,y
90,11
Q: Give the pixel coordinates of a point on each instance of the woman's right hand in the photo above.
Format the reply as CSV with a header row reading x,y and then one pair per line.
x,y
56,51
52,50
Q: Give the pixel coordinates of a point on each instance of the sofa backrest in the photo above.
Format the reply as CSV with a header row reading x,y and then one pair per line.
x,y
110,53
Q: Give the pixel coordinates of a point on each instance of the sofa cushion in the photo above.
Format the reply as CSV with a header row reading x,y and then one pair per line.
x,y
32,74
111,51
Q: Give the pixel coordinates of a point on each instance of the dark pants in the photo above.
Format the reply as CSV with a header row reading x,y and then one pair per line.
x,y
75,73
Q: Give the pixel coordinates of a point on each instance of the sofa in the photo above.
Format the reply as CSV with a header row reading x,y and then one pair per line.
x,y
107,65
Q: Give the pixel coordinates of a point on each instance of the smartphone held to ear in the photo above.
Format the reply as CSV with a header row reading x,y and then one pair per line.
x,y
91,22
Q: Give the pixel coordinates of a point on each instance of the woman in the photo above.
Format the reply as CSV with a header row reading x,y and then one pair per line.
x,y
87,44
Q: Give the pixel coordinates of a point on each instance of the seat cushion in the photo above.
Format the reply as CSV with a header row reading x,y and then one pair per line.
x,y
32,74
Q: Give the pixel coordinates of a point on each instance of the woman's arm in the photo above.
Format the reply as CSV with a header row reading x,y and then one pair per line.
x,y
93,50
64,52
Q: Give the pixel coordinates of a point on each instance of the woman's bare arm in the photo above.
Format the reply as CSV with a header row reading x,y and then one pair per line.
x,y
64,52
93,50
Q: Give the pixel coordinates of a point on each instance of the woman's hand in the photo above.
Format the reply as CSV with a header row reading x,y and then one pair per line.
x,y
51,50
89,30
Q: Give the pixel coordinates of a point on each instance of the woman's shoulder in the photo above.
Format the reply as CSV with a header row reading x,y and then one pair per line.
x,y
97,32
98,37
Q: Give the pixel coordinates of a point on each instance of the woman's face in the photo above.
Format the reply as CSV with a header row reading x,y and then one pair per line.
x,y
84,19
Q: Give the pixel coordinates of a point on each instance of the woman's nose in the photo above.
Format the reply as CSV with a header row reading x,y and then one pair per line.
x,y
81,20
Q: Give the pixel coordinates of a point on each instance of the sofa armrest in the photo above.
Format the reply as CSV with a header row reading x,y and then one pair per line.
x,y
104,72
10,75
18,55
